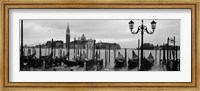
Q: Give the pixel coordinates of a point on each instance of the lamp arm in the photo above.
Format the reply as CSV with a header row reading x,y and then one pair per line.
x,y
148,31
136,31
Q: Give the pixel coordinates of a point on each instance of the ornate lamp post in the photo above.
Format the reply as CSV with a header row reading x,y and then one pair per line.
x,y
142,28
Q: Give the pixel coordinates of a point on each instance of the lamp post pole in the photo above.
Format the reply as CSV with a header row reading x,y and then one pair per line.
x,y
142,28
142,34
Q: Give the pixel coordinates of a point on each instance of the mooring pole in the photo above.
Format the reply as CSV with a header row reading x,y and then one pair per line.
x,y
125,56
105,58
109,53
68,50
94,49
40,51
60,53
80,54
99,51
174,49
139,55
160,57
51,47
167,50
156,54
114,53
176,53
22,53
96,60
170,53
44,51
54,51
87,51
164,53
74,47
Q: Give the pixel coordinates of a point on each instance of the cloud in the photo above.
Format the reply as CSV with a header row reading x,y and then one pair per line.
x,y
40,31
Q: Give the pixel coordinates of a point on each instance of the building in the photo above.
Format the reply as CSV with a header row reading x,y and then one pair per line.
x,y
67,36
56,44
80,43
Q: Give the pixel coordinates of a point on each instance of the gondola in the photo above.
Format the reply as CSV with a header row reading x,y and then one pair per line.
x,y
47,59
134,61
28,61
99,64
70,63
80,61
120,62
90,64
150,58
148,62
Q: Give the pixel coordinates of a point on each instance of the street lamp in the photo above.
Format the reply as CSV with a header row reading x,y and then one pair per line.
x,y
142,28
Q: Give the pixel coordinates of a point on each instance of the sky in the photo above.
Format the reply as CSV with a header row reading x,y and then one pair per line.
x,y
113,31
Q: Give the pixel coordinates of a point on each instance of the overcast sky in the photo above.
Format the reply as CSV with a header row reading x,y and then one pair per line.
x,y
114,31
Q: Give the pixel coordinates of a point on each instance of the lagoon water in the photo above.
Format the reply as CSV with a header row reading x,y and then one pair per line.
x,y
156,53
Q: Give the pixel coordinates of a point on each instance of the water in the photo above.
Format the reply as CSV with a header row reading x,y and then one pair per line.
x,y
45,51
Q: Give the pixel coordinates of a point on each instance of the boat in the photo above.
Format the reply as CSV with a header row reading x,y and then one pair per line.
x,y
150,58
134,61
80,61
119,63
28,61
39,62
99,64
147,62
70,63
90,64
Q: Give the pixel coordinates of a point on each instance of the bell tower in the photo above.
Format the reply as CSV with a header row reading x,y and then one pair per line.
x,y
68,40
67,35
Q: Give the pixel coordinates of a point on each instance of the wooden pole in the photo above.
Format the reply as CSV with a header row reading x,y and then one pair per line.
x,y
74,47
45,51
125,56
163,51
68,50
54,51
87,51
90,51
99,51
167,49
139,55
76,52
52,47
170,54
22,53
109,54
60,53
96,61
176,53
159,56
80,54
94,49
178,65
174,49
156,54
114,53
40,54
105,58
48,51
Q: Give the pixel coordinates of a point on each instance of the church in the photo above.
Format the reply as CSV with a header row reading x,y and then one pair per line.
x,y
81,42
